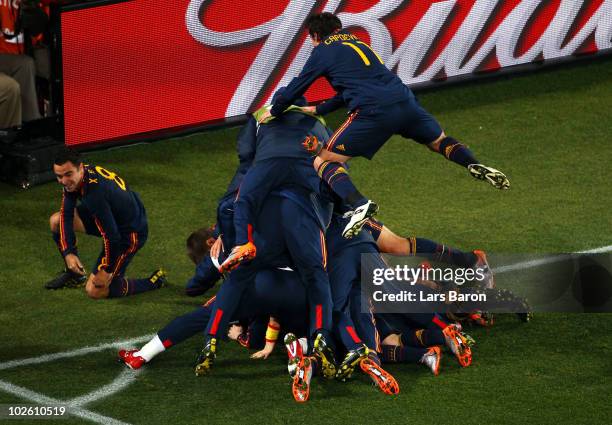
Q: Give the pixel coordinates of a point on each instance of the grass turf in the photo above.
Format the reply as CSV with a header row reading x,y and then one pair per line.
x,y
548,131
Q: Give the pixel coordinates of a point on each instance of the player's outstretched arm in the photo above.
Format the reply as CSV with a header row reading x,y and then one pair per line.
x,y
271,338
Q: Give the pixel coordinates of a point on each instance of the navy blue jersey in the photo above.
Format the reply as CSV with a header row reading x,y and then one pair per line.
x,y
245,144
205,277
116,210
225,219
353,69
282,137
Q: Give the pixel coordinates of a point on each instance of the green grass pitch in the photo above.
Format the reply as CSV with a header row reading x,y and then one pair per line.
x,y
549,131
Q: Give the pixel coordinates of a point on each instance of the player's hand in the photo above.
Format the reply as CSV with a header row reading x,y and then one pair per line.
x,y
73,263
309,109
267,114
102,279
263,354
234,332
217,248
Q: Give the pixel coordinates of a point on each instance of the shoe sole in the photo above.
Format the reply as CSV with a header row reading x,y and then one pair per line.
x,y
130,366
496,178
328,368
345,371
123,361
383,379
204,367
438,355
463,352
480,320
294,360
301,387
357,226
230,265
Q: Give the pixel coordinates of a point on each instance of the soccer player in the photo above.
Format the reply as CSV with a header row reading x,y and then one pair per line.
x,y
380,106
279,159
199,245
354,323
390,243
288,231
416,338
279,163
277,292
98,202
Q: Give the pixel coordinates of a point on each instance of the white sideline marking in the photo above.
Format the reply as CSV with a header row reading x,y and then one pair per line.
x,y
599,250
75,353
549,260
75,406
44,400
123,380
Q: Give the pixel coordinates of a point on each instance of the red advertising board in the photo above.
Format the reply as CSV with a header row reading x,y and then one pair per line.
x,y
139,66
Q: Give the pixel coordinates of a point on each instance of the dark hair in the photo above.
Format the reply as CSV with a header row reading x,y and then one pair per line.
x,y
68,155
197,248
323,24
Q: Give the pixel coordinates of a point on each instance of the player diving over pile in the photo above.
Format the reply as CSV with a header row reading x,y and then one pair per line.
x,y
380,106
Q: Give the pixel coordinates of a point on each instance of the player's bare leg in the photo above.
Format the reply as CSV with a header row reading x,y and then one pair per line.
x,y
390,243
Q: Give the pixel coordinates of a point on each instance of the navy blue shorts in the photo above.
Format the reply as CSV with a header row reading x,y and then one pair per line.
x,y
365,132
130,243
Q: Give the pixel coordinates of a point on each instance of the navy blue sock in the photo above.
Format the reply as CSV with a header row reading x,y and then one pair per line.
x,y
423,337
336,176
413,338
433,336
399,354
438,252
123,287
457,152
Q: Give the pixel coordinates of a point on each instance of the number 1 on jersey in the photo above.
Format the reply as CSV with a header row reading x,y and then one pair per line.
x,y
362,55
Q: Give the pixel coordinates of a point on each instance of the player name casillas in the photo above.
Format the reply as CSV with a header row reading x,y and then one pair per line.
x,y
407,296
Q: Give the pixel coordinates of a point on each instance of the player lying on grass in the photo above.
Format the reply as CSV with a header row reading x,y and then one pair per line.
x,y
380,106
412,338
353,320
355,328
250,335
192,323
390,243
98,202
199,245
274,292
